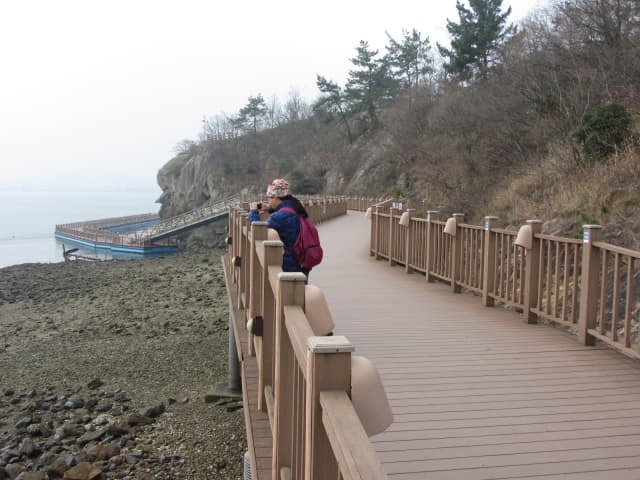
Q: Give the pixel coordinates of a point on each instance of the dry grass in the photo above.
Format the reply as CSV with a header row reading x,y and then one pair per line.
x,y
607,193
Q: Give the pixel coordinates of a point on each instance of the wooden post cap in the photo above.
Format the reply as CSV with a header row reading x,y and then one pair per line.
x,y
291,276
333,344
273,243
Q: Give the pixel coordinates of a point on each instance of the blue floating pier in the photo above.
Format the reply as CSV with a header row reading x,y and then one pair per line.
x,y
141,235
120,236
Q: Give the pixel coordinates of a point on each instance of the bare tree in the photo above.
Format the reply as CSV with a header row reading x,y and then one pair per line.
x,y
295,108
274,111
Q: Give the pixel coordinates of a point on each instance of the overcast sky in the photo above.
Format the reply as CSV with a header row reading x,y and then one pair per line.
x,y
99,93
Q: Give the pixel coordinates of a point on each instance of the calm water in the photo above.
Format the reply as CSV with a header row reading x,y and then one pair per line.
x,y
28,219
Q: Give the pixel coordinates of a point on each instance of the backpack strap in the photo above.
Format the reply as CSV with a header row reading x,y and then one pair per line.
x,y
289,209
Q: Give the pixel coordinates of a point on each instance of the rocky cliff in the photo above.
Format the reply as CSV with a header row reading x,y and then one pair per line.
x,y
315,159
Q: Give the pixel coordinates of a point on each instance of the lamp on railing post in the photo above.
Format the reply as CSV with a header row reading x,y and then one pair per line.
x,y
405,221
451,228
489,260
590,275
430,243
527,239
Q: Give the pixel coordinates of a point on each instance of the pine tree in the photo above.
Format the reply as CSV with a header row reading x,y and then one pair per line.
x,y
410,61
476,38
370,84
253,112
333,100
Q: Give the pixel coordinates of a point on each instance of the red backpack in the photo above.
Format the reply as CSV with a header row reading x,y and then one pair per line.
x,y
306,249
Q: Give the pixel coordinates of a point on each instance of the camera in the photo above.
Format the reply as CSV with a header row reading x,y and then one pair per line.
x,y
259,205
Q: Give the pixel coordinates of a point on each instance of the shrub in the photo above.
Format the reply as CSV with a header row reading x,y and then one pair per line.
x,y
603,129
301,184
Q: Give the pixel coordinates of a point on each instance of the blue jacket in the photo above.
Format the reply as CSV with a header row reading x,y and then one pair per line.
x,y
287,224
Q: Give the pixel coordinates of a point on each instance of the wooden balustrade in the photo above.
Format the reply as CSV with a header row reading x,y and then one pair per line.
x,y
586,285
304,380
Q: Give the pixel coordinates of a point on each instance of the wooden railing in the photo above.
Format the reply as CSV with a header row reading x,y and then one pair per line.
x,y
304,377
587,285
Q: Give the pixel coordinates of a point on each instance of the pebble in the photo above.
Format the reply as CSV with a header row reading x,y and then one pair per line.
x,y
153,412
24,422
157,447
74,403
95,444
95,383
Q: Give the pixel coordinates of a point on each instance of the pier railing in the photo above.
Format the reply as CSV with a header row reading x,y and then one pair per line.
x,y
96,231
304,376
195,215
585,284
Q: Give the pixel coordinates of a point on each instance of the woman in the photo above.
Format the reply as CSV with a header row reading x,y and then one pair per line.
x,y
285,222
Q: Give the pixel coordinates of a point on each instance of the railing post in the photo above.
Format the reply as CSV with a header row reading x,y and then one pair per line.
x,y
391,236
243,220
235,243
246,259
376,235
291,292
328,368
489,260
230,239
430,243
273,250
590,276
532,268
407,241
258,233
456,249
234,382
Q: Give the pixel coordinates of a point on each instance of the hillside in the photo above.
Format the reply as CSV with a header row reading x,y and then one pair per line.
x,y
549,133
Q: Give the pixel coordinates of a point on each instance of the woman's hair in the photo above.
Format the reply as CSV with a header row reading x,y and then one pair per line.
x,y
296,204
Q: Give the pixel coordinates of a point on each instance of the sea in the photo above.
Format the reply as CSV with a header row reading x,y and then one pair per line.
x,y
28,220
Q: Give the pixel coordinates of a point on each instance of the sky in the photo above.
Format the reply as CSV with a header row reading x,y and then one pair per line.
x,y
96,94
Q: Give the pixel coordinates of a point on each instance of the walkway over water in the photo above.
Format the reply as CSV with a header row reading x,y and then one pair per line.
x,y
477,393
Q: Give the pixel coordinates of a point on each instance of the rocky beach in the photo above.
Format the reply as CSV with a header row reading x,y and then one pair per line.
x,y
105,368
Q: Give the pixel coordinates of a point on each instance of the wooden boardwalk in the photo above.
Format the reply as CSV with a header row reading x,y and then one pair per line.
x,y
475,392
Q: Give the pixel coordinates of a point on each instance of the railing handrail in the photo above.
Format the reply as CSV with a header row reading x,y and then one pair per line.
x,y
615,249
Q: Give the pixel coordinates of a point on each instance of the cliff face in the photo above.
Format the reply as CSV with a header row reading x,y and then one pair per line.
x,y
186,182
245,165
